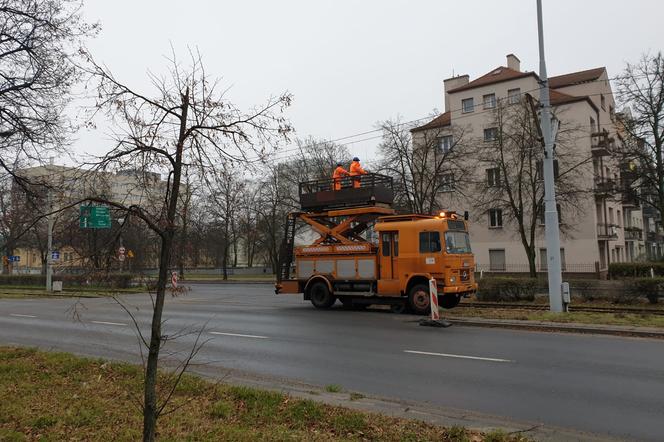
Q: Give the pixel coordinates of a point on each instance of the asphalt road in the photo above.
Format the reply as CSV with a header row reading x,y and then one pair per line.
x,y
611,386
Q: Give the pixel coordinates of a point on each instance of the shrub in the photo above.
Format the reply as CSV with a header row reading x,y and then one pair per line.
x,y
500,289
620,270
586,289
648,287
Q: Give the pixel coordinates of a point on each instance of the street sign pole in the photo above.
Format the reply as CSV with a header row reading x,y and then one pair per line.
x,y
49,257
552,232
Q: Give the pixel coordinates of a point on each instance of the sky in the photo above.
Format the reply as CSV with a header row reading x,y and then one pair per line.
x,y
350,64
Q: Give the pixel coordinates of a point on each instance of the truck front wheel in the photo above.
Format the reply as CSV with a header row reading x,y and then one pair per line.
x,y
320,295
418,299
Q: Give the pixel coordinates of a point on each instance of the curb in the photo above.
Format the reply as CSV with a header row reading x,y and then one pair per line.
x,y
641,332
221,281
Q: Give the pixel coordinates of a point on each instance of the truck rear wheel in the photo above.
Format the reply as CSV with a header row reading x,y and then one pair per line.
x,y
320,295
418,299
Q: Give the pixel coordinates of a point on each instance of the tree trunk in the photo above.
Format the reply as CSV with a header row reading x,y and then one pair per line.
x,y
150,412
531,263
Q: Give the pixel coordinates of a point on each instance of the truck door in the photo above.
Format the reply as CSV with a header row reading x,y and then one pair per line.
x,y
389,263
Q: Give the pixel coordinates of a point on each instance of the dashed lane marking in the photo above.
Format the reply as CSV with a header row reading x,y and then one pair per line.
x,y
448,355
107,323
237,335
18,315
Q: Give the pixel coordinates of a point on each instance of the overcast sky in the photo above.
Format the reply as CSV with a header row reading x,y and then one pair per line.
x,y
350,64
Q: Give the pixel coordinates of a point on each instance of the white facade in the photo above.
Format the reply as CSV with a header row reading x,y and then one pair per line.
x,y
604,227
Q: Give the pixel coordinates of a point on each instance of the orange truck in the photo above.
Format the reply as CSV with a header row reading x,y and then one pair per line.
x,y
342,264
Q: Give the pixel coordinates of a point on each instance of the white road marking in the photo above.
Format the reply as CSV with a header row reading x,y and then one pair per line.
x,y
239,335
22,316
447,355
107,323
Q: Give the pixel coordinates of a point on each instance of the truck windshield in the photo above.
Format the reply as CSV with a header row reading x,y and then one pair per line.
x,y
457,242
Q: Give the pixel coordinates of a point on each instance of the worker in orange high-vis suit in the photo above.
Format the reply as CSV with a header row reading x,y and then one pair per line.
x,y
355,171
339,173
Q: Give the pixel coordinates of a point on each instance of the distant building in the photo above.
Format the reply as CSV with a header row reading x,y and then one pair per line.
x,y
67,185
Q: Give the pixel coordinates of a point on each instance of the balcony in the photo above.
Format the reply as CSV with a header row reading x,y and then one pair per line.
x,y
604,187
633,234
630,199
606,232
599,143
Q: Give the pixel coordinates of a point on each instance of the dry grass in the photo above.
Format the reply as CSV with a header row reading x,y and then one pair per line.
x,y
40,292
631,319
57,396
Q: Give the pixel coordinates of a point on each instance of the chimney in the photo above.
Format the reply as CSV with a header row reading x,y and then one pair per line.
x,y
513,62
453,83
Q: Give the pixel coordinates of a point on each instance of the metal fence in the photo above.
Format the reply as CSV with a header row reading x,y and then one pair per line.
x,y
592,267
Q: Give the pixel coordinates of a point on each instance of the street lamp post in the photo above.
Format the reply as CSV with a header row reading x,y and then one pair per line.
x,y
552,232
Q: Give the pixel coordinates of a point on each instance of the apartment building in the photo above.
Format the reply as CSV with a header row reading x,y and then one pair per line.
x,y
606,223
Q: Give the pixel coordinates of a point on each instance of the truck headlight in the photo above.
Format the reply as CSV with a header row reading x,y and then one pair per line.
x,y
452,279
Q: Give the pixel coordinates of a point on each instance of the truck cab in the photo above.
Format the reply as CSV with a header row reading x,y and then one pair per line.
x,y
416,248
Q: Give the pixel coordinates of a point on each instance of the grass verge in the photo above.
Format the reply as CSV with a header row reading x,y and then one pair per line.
x,y
631,319
58,396
31,292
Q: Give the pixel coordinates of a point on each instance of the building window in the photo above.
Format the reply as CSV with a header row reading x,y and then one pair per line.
x,y
493,177
543,260
446,182
489,101
445,143
495,218
467,105
593,129
514,96
542,217
602,101
490,134
497,260
540,169
430,242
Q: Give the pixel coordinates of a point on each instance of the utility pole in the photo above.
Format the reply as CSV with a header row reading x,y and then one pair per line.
x,y
49,247
552,232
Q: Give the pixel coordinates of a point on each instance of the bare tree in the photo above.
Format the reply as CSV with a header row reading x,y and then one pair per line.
x,y
186,122
510,185
38,41
640,89
422,164
225,196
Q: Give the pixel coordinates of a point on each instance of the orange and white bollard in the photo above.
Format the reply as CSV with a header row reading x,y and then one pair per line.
x,y
435,320
433,292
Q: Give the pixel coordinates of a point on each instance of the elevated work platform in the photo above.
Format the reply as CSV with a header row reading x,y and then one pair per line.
x,y
339,230
320,195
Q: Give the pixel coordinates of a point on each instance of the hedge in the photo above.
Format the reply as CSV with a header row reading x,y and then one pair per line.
x,y
112,280
621,270
498,289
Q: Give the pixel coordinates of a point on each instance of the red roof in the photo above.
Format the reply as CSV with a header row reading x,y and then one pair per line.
x,y
500,74
441,120
559,98
576,78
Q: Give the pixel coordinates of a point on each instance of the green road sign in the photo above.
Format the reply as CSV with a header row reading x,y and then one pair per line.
x,y
95,217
